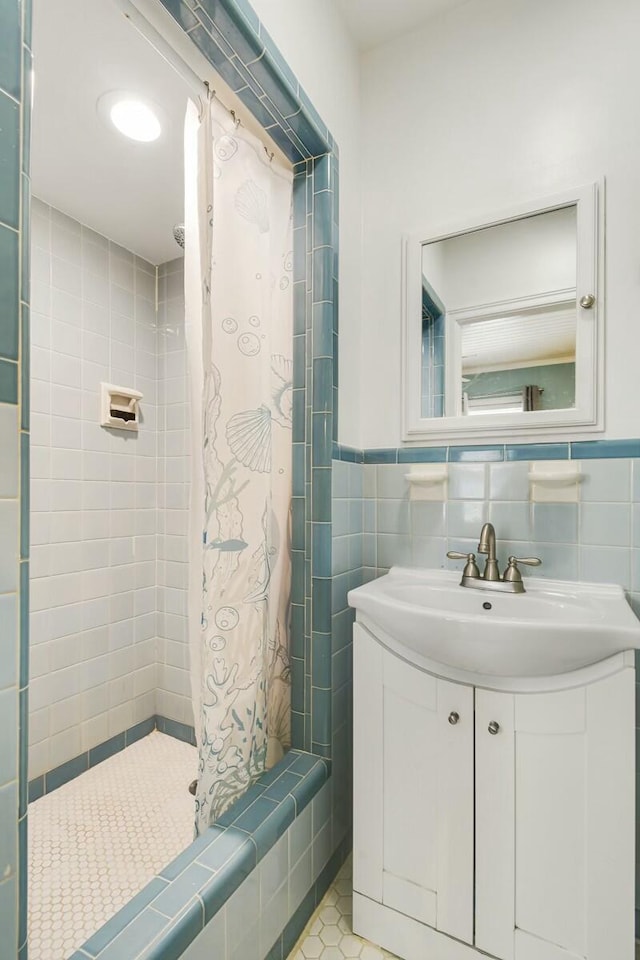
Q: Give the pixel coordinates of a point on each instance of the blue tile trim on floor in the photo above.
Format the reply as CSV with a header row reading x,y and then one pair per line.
x,y
174,907
179,731
574,450
57,777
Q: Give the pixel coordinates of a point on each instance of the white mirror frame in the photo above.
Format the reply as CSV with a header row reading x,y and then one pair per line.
x,y
587,414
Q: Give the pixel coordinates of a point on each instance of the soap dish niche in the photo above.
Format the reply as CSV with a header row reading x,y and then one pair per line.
x,y
119,407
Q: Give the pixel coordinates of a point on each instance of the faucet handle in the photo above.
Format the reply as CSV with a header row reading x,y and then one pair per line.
x,y
470,568
512,574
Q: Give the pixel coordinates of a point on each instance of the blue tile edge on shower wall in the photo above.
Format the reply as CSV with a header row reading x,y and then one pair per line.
x,y
231,36
175,906
285,943
62,774
234,40
573,450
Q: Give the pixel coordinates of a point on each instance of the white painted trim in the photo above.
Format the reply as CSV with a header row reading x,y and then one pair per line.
x,y
588,414
501,308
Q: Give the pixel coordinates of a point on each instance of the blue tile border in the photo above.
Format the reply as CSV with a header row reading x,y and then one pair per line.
x,y
537,451
8,381
231,36
605,449
57,777
167,914
568,450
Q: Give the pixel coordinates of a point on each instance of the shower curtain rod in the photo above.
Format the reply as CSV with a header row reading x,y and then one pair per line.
x,y
168,53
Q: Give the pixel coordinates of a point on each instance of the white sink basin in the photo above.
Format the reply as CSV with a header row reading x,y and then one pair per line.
x,y
553,628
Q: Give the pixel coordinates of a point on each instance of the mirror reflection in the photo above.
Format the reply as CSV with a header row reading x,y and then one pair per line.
x,y
499,318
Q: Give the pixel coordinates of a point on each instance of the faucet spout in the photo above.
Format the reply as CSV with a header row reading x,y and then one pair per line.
x,y
488,545
488,541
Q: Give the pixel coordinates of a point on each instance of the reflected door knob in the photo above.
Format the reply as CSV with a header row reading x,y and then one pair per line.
x,y
493,727
453,718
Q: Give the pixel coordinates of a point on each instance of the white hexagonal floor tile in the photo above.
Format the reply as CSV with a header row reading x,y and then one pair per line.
x,y
312,947
331,935
330,926
93,844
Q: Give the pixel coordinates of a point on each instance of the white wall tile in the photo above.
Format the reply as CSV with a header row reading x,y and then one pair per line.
x,y
95,522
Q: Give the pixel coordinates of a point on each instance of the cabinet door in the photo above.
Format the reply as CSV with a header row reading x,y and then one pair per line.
x,y
413,789
555,823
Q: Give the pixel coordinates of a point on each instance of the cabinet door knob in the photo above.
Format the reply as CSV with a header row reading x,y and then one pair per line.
x,y
493,727
453,718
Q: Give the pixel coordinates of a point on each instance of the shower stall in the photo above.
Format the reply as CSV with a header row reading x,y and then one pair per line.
x,y
136,600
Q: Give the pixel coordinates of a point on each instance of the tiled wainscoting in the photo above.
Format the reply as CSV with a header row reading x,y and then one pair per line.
x,y
594,539
347,573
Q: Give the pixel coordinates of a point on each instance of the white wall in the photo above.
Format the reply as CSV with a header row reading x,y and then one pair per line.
x,y
527,257
495,103
314,40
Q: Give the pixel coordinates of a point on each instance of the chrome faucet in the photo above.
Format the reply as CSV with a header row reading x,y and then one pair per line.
x,y
511,582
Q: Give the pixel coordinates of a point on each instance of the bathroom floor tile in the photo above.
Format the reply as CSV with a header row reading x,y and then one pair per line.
x,y
329,935
97,840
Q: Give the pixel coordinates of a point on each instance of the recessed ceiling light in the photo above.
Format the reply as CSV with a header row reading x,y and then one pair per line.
x,y
133,117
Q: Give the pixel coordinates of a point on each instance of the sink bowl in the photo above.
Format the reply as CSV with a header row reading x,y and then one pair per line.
x,y
555,627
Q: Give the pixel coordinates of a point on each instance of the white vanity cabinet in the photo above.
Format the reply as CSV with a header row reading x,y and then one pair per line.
x,y
493,822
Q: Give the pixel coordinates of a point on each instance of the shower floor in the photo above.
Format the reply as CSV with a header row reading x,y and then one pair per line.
x,y
97,840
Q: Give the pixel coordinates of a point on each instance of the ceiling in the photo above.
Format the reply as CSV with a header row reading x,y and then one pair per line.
x,y
133,192
545,336
371,23
130,192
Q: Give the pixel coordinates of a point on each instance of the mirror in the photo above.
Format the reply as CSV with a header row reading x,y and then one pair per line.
x,y
495,337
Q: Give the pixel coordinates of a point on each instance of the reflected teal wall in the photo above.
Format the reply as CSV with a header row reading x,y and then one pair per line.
x,y
558,381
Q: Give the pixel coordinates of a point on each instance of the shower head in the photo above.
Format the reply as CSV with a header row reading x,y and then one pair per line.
x,y
178,234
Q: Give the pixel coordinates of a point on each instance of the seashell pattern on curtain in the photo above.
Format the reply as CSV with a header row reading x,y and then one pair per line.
x,y
239,321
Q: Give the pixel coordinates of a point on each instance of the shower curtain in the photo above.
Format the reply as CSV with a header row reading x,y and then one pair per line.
x,y
239,317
